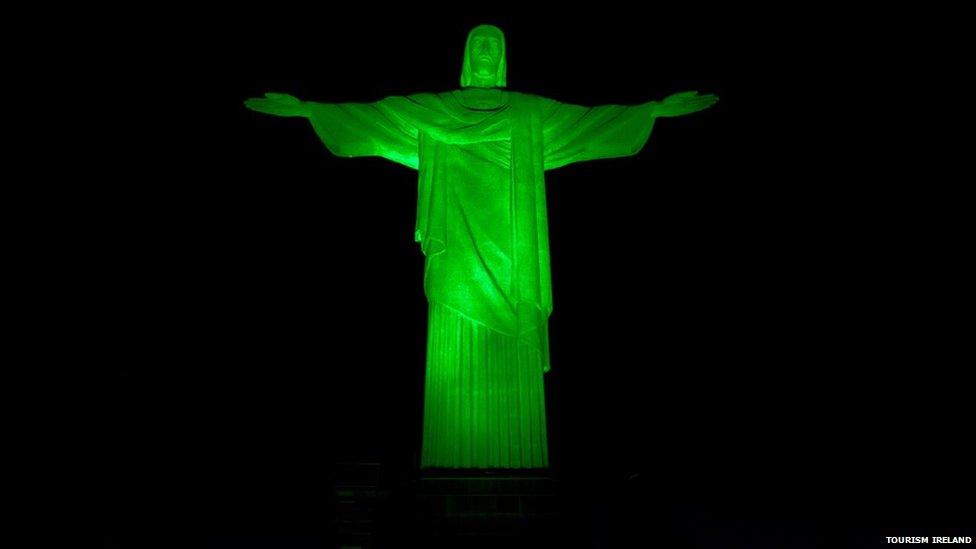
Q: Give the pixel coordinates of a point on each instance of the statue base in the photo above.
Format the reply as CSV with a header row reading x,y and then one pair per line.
x,y
360,497
483,508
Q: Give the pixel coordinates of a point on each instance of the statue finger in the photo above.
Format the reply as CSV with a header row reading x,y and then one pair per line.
x,y
281,97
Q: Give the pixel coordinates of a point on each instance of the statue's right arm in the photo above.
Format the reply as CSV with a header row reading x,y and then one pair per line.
x,y
382,128
278,104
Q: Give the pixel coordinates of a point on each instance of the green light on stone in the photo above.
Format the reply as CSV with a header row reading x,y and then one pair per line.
x,y
481,153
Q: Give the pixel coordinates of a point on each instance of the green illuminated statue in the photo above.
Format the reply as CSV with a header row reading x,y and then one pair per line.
x,y
481,153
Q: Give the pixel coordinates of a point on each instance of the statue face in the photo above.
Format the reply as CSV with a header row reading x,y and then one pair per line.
x,y
484,58
485,53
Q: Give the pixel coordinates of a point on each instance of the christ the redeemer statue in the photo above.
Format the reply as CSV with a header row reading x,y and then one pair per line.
x,y
481,153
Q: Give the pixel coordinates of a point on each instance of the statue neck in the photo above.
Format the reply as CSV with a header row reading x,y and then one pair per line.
x,y
481,98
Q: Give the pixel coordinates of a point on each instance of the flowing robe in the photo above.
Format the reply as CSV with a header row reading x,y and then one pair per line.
x,y
481,223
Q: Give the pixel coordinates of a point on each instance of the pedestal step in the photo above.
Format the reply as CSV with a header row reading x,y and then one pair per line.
x,y
486,511
358,495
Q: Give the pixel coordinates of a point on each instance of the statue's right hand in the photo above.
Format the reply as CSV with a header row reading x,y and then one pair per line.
x,y
278,104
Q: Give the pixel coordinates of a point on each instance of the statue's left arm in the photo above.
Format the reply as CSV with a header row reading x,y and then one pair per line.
x,y
572,133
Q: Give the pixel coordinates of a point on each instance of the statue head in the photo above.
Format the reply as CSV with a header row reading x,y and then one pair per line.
x,y
484,58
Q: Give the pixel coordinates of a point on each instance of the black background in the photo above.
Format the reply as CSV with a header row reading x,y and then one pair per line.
x,y
742,322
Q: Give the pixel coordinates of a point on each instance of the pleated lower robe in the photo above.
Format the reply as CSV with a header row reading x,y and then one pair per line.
x,y
484,404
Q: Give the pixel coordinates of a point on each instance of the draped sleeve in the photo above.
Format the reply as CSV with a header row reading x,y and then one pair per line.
x,y
367,129
392,128
572,133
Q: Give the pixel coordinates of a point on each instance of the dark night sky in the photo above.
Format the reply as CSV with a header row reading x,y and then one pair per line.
x,y
266,315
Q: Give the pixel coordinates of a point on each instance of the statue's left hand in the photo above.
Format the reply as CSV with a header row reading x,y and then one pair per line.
x,y
683,103
278,104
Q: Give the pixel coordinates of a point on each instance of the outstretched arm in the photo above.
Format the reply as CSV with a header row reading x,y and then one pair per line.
x,y
572,133
350,129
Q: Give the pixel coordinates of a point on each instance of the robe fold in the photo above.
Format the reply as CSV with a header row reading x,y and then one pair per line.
x,y
481,223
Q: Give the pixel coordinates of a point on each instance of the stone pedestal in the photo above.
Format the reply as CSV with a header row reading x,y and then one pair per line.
x,y
359,496
487,509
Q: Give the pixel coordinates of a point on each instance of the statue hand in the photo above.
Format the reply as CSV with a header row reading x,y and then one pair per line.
x,y
278,104
683,103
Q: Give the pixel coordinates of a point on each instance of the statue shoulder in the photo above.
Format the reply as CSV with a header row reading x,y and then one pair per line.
x,y
531,101
527,97
427,98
